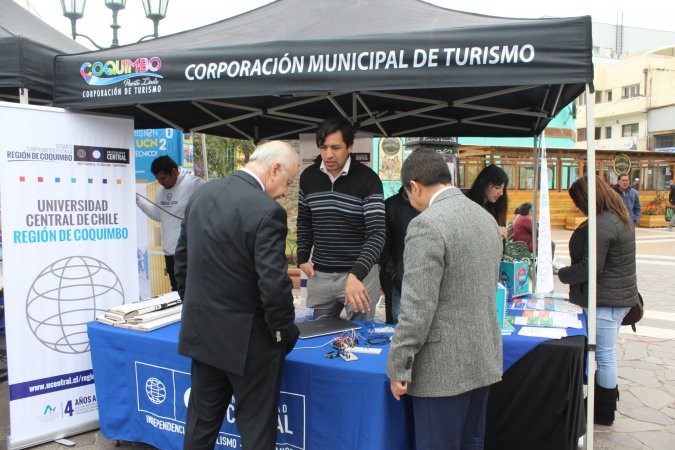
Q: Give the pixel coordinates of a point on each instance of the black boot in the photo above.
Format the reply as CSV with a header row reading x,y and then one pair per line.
x,y
605,405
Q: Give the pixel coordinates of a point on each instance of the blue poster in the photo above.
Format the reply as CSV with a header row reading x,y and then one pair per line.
x,y
162,399
149,144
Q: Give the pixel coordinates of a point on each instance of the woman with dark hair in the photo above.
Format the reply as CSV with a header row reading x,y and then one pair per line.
x,y
489,191
616,278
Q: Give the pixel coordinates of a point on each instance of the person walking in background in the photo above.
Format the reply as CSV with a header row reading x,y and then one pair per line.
x,y
237,323
176,187
616,283
447,348
340,226
398,214
630,197
489,190
671,200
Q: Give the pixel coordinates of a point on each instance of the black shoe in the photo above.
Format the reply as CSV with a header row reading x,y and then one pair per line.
x,y
605,405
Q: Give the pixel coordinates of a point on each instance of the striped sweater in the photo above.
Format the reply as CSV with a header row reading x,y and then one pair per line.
x,y
341,224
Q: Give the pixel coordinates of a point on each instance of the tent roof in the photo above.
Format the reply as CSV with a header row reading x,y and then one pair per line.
x,y
483,76
27,50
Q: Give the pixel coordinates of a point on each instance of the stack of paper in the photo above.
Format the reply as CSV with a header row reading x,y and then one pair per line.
x,y
551,333
146,315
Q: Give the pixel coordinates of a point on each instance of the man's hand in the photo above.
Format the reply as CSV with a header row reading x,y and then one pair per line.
x,y
308,268
398,388
356,295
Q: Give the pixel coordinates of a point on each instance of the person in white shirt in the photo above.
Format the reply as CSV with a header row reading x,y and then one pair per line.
x,y
176,188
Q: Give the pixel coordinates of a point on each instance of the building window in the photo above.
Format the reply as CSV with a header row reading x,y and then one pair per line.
x,y
609,96
629,130
598,133
631,91
664,141
582,99
598,96
608,132
581,134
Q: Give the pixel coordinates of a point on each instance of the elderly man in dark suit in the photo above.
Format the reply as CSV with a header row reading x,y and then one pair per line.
x,y
447,349
237,323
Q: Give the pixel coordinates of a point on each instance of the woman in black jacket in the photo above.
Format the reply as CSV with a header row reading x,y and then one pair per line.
x,y
616,282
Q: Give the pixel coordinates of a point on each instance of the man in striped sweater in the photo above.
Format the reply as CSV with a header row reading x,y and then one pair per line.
x,y
341,228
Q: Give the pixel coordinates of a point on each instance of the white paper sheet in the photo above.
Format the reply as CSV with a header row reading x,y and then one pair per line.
x,y
545,332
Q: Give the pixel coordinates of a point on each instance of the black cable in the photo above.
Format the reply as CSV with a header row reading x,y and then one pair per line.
x,y
179,218
378,339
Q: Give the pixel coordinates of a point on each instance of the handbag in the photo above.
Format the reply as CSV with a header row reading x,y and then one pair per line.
x,y
670,212
634,314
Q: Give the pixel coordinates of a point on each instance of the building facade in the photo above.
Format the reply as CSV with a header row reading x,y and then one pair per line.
x,y
634,107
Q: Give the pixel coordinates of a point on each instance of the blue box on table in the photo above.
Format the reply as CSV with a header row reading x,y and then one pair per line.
x,y
501,305
515,276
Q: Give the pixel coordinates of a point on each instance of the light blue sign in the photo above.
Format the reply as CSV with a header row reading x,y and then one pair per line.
x,y
149,144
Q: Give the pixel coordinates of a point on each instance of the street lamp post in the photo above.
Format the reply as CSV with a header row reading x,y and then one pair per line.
x,y
155,10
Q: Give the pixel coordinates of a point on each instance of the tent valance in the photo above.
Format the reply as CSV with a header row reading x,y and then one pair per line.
x,y
396,68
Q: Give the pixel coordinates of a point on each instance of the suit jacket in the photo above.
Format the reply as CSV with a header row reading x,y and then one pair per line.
x,y
448,341
232,273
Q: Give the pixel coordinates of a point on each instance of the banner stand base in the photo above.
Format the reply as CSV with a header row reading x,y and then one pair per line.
x,y
49,437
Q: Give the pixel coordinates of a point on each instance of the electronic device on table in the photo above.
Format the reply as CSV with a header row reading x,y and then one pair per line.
x,y
325,326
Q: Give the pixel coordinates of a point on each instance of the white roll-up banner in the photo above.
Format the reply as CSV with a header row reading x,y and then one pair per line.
x,y
69,244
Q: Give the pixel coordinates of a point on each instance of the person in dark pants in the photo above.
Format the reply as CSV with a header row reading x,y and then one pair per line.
x,y
447,348
237,323
398,214
176,187
630,197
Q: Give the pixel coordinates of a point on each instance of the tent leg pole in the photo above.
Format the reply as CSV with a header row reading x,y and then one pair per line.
x,y
592,264
535,208
23,96
205,157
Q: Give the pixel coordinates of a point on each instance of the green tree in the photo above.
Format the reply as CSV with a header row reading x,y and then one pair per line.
x,y
221,154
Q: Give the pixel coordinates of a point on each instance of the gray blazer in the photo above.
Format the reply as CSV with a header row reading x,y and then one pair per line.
x,y
447,341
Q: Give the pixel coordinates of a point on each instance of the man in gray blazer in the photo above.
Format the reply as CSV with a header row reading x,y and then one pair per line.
x,y
237,323
447,349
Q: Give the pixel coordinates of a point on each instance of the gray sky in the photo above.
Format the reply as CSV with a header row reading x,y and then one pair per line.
x,y
186,14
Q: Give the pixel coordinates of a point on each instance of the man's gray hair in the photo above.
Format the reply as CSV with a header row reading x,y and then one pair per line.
x,y
275,151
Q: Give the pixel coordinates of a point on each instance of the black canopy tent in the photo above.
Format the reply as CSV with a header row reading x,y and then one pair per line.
x,y
395,67
27,50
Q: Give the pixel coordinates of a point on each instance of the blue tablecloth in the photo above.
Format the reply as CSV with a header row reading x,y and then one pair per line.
x,y
142,385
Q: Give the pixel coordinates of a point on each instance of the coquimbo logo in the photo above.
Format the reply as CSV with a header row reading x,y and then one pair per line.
x,y
101,73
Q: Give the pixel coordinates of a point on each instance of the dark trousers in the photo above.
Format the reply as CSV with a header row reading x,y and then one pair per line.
x,y
169,261
451,423
256,398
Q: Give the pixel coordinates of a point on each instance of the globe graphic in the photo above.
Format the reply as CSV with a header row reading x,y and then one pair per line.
x,y
155,390
65,296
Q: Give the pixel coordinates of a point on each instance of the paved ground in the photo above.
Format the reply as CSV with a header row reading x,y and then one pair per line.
x,y
646,416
